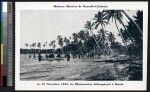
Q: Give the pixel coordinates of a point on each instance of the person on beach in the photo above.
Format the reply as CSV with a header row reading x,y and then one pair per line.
x,y
29,56
51,55
68,57
46,56
39,57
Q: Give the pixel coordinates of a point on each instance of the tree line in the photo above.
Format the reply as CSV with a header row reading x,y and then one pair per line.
x,y
104,42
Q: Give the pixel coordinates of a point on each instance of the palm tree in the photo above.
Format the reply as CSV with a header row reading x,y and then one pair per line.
x,y
26,45
111,37
81,35
60,41
66,42
135,34
75,38
102,37
46,46
34,45
50,44
140,30
116,15
39,46
100,19
139,18
53,45
89,26
30,46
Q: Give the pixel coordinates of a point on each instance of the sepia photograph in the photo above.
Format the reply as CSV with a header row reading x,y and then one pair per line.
x,y
87,45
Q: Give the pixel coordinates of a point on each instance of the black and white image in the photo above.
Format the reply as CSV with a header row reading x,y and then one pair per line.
x,y
81,45
87,45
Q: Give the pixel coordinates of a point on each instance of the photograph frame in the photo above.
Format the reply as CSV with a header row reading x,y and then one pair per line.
x,y
66,90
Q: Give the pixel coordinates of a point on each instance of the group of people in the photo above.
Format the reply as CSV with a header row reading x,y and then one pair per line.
x,y
52,56
67,56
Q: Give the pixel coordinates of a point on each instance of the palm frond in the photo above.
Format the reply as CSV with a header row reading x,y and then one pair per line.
x,y
97,25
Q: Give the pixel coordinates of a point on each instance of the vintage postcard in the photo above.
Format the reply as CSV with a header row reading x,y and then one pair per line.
x,y
81,45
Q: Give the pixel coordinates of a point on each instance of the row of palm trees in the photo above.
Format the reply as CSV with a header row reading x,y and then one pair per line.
x,y
103,18
104,41
41,45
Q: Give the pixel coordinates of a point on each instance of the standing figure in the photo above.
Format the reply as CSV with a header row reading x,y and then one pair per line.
x,y
46,56
79,55
29,56
39,57
68,57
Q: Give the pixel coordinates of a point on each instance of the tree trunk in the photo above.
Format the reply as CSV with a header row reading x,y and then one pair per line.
x,y
62,50
107,42
121,36
95,39
133,22
126,30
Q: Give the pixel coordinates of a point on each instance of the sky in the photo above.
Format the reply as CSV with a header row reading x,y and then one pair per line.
x,y
45,25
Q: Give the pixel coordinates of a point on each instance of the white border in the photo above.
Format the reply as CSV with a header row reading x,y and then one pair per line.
x,y
128,85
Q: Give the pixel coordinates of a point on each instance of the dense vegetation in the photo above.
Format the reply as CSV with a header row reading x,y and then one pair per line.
x,y
102,43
